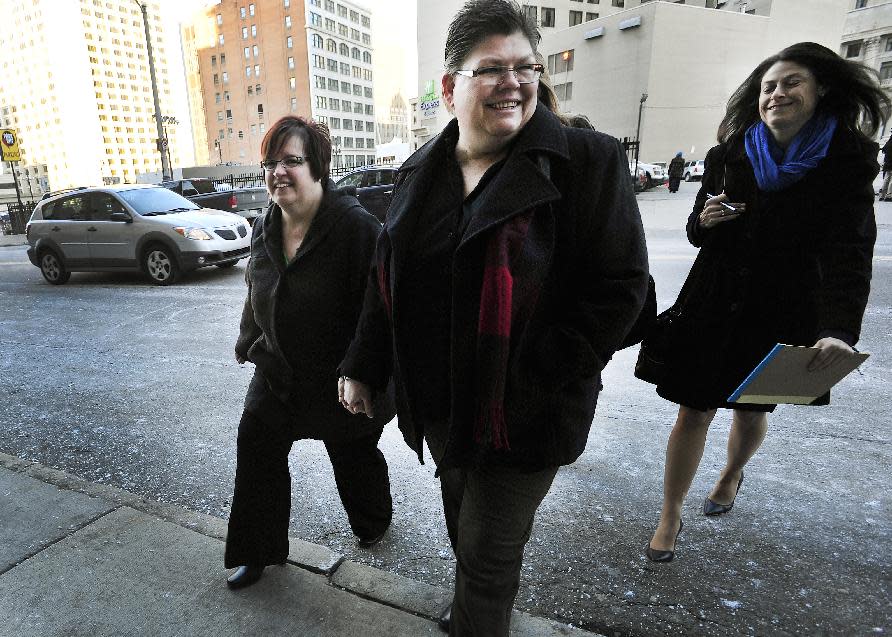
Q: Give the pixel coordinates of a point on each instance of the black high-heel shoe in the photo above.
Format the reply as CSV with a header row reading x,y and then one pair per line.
x,y
664,556
244,576
714,508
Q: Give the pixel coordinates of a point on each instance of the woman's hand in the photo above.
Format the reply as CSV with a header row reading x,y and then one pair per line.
x,y
714,212
355,396
240,359
831,351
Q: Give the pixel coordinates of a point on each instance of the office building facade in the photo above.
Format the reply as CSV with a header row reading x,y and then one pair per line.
x,y
77,88
250,63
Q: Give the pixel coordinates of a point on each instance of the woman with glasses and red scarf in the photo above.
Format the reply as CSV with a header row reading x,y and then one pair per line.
x,y
310,256
511,265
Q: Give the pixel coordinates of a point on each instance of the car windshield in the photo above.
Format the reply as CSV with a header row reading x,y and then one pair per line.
x,y
203,187
156,201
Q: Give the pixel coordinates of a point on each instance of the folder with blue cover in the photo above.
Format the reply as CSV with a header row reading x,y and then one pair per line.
x,y
783,377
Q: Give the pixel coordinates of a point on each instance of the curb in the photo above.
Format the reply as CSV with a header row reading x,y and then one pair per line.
x,y
387,589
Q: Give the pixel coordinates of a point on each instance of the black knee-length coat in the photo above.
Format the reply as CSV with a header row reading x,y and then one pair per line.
x,y
299,318
793,268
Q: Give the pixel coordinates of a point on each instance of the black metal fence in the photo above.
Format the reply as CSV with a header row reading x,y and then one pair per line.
x,y
16,216
253,180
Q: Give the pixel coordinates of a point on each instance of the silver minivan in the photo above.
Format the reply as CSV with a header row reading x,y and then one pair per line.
x,y
131,228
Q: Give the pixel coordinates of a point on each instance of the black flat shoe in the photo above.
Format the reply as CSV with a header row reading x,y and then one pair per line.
x,y
714,508
664,556
244,576
369,542
445,618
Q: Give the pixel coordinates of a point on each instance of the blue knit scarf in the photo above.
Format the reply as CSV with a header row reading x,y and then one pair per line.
x,y
776,169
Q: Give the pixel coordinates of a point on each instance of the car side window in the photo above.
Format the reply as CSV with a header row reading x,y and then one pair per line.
x,y
69,209
188,189
351,180
103,207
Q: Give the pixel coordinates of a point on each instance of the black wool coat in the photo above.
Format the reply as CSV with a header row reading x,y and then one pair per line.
x,y
320,292
793,268
584,271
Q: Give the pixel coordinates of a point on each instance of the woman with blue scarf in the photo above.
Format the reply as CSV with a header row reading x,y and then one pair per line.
x,y
785,225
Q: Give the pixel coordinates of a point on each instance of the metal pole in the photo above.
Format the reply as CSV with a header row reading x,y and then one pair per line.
x,y
162,140
638,132
18,195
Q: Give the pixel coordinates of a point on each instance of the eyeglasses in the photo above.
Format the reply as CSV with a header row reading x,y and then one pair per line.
x,y
493,75
292,161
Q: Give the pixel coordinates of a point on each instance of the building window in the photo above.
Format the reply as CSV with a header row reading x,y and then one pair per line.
x,y
853,49
531,12
366,22
331,45
366,39
618,3
256,51
247,52
225,96
590,16
344,50
228,114
321,101
315,20
564,91
332,65
366,57
251,9
262,127
250,90
260,111
257,70
560,62
347,106
547,16
225,77
292,83
330,6
575,18
342,11
219,18
860,4
293,104
332,84
287,3
217,99
318,61
348,124
335,104
345,68
345,87
335,122
369,110
368,91
253,30
885,71
247,71
244,33
356,54
318,41
221,40
257,89
320,81
290,62
367,75
242,13
219,116
289,43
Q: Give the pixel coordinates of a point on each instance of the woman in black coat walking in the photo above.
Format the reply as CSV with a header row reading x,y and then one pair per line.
x,y
785,225
511,265
310,256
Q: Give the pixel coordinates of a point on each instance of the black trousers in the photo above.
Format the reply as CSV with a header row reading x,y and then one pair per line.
x,y
261,504
489,514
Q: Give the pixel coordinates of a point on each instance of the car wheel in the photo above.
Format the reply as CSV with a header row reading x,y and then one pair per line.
x,y
53,269
161,265
228,264
687,177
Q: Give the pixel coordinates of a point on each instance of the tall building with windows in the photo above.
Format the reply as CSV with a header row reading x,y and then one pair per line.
x,y
867,38
250,63
76,86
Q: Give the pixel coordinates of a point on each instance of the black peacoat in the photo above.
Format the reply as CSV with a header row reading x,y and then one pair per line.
x,y
308,307
585,258
793,268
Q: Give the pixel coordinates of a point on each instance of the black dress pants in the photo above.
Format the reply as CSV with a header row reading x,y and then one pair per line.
x,y
261,504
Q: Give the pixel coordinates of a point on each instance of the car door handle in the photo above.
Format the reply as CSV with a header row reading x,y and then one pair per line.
x,y
388,192
56,228
91,229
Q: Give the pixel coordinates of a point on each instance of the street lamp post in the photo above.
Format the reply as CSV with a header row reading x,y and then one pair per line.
x,y
162,140
336,150
219,151
638,132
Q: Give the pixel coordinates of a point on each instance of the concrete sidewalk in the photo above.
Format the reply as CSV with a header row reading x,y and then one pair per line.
x,y
12,240
78,558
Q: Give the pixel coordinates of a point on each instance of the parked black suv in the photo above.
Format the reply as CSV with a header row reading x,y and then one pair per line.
x,y
374,187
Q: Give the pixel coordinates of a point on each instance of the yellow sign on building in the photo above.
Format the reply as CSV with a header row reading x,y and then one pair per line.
x,y
9,145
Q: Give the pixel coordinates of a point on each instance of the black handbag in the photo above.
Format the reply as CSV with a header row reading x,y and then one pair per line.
x,y
651,365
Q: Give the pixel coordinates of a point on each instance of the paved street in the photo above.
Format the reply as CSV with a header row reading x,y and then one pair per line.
x,y
123,383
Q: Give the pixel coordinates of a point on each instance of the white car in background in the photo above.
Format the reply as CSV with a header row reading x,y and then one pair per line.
x,y
649,175
693,170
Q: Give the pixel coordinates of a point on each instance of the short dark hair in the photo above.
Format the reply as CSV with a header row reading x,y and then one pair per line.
x,y
852,93
314,137
479,19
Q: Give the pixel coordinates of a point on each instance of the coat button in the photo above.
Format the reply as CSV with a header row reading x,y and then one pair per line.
x,y
744,271
734,307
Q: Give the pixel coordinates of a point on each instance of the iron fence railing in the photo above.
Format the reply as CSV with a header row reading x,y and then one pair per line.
x,y
13,222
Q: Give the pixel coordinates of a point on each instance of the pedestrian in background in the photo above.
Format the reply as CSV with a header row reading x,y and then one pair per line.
x,y
310,256
676,170
886,190
511,265
785,225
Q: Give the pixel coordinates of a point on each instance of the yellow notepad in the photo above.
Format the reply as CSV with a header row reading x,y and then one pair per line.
x,y
783,377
